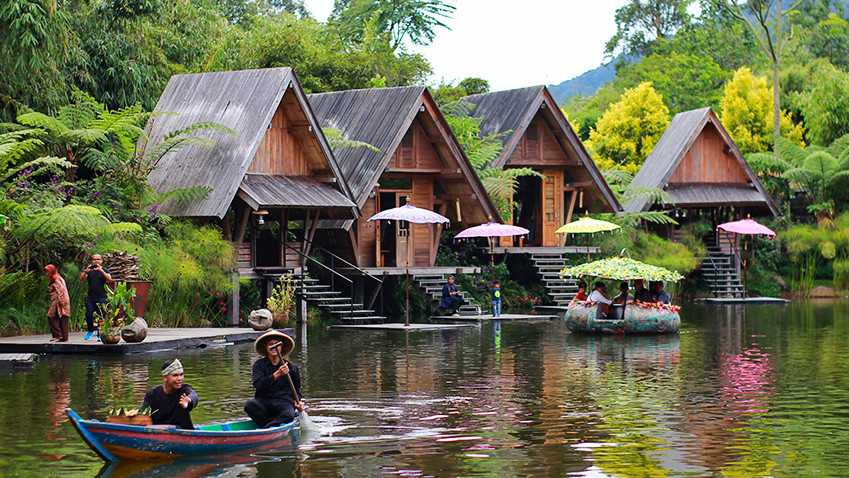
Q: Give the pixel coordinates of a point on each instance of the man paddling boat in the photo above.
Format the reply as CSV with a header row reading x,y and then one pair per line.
x,y
173,401
277,382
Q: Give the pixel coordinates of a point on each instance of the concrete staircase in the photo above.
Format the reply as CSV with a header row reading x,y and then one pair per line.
x,y
720,272
432,284
334,302
548,266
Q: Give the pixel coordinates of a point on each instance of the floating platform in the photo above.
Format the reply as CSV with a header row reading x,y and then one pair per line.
x,y
19,360
401,327
157,339
547,250
489,317
745,300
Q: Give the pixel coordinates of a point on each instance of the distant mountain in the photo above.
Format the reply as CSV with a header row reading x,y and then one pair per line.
x,y
584,84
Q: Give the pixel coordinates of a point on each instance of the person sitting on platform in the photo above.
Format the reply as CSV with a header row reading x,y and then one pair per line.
x,y
173,401
597,297
641,294
275,402
451,300
659,295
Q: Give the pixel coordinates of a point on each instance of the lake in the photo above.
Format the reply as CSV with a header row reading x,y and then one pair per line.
x,y
743,391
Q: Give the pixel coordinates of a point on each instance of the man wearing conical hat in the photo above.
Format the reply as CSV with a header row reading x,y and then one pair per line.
x,y
173,401
277,382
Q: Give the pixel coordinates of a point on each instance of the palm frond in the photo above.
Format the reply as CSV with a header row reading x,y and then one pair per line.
x,y
654,217
790,151
650,194
178,139
35,119
40,166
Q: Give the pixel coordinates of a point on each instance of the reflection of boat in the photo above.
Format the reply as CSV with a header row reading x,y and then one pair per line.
x,y
637,319
115,442
217,465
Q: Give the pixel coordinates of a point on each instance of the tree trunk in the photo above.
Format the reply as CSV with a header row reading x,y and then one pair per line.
x,y
776,66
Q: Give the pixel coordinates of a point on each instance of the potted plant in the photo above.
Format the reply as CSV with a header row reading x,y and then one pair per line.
x,y
282,300
128,268
117,308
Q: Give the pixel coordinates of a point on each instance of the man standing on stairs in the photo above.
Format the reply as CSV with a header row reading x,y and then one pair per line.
x,y
451,300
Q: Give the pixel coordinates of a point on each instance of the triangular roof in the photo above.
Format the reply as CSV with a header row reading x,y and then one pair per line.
x,y
381,118
244,101
671,149
512,111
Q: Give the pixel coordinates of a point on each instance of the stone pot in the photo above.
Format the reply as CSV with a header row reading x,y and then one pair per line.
x,y
260,320
110,338
135,332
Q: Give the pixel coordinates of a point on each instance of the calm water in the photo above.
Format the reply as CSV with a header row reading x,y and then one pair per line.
x,y
743,391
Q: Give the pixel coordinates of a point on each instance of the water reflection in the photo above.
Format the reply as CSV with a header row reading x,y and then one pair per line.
x,y
743,391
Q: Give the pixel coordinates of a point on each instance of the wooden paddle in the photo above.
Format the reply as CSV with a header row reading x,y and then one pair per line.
x,y
306,423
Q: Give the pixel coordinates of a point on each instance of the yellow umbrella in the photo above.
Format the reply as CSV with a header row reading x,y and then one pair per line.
x,y
586,225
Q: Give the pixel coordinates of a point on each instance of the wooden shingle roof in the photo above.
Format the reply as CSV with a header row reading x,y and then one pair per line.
x,y
510,112
381,117
244,101
671,149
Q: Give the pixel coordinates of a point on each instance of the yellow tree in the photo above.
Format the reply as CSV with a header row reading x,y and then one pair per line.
x,y
626,133
747,113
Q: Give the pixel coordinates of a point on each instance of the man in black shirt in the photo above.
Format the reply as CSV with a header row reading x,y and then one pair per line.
x,y
173,401
97,279
274,400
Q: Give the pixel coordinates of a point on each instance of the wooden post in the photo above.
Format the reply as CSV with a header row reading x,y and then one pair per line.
x,y
300,309
284,232
243,224
234,301
569,213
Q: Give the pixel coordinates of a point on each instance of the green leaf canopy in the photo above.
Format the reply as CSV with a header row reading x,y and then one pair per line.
x,y
621,268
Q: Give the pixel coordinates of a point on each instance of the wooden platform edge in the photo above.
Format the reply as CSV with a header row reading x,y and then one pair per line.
x,y
142,347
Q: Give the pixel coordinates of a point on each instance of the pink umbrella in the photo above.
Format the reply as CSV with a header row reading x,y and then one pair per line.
x,y
416,215
745,227
492,229
748,227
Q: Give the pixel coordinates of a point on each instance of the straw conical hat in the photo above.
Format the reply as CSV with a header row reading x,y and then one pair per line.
x,y
288,342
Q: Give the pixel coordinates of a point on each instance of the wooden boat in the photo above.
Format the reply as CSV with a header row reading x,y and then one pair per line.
x,y
114,442
637,319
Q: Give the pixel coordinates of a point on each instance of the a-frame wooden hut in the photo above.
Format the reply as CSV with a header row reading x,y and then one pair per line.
x,y
414,159
706,179
536,134
270,179
698,165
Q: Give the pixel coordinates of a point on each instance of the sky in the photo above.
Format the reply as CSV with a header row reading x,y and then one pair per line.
x,y
515,43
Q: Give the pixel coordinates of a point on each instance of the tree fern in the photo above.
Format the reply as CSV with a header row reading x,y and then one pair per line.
x,y
38,166
338,141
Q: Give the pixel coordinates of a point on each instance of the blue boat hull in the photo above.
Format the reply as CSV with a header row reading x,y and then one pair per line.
x,y
114,442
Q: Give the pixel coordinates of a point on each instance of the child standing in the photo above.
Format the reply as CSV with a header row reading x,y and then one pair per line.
x,y
495,293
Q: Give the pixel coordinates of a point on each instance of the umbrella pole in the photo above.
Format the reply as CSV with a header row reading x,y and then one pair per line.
x,y
407,299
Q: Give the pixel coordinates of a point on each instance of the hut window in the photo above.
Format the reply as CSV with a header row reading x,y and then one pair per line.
x,y
405,184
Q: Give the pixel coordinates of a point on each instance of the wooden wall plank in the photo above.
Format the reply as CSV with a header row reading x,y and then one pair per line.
x,y
367,234
708,162
421,238
281,152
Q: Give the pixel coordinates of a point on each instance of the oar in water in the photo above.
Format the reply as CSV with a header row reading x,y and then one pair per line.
x,y
306,423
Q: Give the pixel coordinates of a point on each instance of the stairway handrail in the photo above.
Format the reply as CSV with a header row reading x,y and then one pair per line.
x,y
358,269
349,281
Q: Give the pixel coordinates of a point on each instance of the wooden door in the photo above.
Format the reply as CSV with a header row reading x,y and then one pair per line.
x,y
402,236
552,206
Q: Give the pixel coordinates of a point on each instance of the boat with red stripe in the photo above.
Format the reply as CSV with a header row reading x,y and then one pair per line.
x,y
114,442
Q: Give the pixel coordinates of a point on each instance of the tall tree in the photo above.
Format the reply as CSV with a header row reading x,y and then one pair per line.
x,y
745,111
640,23
413,20
766,19
629,129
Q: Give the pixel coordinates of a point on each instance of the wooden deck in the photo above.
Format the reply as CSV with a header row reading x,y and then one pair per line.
x,y
417,271
745,300
489,317
157,339
401,327
547,250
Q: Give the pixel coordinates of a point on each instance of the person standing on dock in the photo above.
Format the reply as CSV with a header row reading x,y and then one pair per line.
x,y
173,401
97,278
59,313
276,381
495,293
